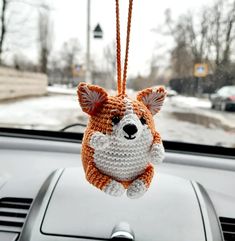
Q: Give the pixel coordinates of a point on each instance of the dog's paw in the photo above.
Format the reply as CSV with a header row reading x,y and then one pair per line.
x,y
157,153
114,188
136,189
99,141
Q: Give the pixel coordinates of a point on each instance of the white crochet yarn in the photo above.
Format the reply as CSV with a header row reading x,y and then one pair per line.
x,y
136,189
99,141
126,159
114,188
157,153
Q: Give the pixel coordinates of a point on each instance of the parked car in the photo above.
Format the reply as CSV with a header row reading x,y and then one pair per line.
x,y
224,98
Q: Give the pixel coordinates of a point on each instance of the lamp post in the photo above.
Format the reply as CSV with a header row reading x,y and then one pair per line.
x,y
88,69
98,33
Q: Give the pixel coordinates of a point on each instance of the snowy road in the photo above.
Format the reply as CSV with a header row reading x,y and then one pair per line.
x,y
183,119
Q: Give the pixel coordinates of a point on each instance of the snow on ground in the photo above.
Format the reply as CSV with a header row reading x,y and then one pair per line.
x,y
60,89
55,111
182,131
49,112
65,90
203,108
191,102
206,126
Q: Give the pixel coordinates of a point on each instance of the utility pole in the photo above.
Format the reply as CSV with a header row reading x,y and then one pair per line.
x,y
88,46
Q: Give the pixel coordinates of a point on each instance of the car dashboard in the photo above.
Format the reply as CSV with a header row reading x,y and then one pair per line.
x,y
44,196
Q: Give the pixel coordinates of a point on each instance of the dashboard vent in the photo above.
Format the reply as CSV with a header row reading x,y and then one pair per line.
x,y
13,213
228,228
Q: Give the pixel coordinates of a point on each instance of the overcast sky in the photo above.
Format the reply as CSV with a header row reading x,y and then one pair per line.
x,y
70,17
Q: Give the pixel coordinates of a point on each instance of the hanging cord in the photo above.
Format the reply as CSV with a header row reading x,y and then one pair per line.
x,y
122,83
127,47
118,40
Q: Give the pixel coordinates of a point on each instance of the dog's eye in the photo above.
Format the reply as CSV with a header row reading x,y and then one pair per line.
x,y
116,119
142,120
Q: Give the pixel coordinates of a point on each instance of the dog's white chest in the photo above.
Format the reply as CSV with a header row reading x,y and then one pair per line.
x,y
125,160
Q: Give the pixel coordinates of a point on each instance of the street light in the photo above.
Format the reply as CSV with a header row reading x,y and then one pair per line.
x,y
98,33
88,70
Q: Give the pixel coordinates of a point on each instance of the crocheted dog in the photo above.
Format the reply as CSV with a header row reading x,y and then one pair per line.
x,y
120,141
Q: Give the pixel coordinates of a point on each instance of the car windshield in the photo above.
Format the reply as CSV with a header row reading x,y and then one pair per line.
x,y
47,47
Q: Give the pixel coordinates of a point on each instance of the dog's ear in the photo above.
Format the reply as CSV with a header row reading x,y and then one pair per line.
x,y
91,98
152,98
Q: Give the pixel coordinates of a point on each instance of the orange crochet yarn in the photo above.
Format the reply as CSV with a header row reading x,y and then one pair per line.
x,y
120,142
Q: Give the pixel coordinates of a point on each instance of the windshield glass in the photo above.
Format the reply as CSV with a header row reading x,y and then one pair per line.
x,y
47,48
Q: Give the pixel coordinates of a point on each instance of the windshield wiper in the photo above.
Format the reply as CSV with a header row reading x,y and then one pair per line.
x,y
72,125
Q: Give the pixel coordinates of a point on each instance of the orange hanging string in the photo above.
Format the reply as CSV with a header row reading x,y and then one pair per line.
x,y
122,83
118,40
127,47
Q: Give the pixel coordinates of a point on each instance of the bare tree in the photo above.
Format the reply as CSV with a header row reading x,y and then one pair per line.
x,y
205,37
45,37
22,63
181,55
69,55
16,31
222,38
222,34
198,35
3,26
110,58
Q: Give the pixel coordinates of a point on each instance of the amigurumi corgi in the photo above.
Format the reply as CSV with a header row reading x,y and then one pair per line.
x,y
120,141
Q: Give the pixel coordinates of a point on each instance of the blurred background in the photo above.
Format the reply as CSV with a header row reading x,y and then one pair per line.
x,y
48,46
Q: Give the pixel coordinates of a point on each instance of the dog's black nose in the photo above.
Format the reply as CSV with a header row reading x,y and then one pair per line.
x,y
130,129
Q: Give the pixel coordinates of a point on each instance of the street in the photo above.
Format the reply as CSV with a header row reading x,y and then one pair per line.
x,y
183,119
194,121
